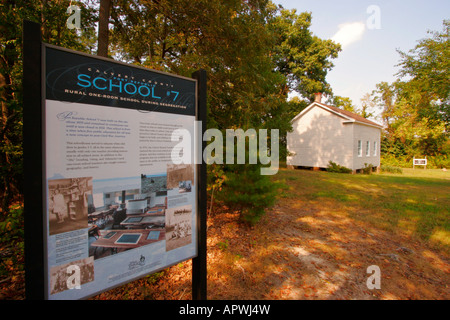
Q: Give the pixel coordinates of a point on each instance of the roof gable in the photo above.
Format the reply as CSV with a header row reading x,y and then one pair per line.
x,y
349,116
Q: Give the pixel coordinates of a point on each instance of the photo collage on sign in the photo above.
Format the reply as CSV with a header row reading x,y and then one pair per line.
x,y
69,201
124,217
119,216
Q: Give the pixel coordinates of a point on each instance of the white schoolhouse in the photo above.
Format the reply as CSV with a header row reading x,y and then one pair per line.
x,y
323,133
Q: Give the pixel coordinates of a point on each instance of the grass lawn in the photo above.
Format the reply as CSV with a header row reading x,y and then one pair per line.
x,y
320,237
415,203
315,243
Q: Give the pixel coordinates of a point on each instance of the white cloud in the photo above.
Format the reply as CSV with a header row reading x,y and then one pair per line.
x,y
349,33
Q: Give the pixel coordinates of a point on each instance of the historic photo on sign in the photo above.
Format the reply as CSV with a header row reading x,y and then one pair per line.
x,y
68,201
178,227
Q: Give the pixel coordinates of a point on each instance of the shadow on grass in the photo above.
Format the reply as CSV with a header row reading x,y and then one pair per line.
x,y
416,206
311,253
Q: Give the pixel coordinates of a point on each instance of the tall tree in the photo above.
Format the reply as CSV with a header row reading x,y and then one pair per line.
x,y
384,97
415,108
254,53
426,68
301,56
52,16
344,103
103,28
367,107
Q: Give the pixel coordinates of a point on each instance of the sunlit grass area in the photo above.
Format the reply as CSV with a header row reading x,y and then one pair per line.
x,y
415,203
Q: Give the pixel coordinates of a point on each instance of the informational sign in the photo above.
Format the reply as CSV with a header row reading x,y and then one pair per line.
x,y
419,162
116,206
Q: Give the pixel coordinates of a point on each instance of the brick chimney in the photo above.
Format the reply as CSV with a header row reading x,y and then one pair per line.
x,y
318,97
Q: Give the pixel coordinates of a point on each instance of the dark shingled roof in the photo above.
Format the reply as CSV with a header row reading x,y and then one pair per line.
x,y
350,115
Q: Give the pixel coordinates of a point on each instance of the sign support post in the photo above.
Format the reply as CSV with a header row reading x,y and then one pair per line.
x,y
199,266
33,161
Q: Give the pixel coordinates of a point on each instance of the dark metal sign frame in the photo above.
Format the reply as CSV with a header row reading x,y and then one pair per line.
x,y
34,86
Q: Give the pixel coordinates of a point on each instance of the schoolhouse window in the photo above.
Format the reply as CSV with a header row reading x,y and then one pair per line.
x,y
359,148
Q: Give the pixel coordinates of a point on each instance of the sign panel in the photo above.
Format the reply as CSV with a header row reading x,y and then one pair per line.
x,y
420,162
116,206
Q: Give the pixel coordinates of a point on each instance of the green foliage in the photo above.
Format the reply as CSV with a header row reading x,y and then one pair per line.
x,y
11,226
246,190
343,103
439,161
334,167
433,162
415,111
155,277
368,168
304,58
367,107
390,169
401,161
253,51
52,15
427,67
223,245
396,154
290,109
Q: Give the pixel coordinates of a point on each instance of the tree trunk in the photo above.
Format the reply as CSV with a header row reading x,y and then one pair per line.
x,y
103,28
4,158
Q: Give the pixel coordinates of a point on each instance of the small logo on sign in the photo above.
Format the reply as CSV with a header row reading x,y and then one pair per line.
x,y
137,263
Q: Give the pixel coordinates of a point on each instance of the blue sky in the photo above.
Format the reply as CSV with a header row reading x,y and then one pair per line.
x,y
369,51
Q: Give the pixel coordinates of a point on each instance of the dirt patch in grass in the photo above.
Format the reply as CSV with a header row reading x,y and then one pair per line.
x,y
311,253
